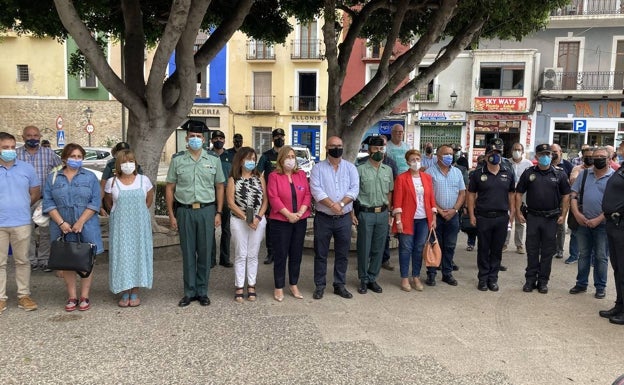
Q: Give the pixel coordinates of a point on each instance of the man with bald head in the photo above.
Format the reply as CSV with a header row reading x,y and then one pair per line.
x,y
43,159
334,183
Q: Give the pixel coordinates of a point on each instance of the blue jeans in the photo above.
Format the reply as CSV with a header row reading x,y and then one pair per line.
x,y
592,240
411,246
574,252
447,236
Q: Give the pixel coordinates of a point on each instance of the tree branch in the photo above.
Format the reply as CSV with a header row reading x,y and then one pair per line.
x,y
133,46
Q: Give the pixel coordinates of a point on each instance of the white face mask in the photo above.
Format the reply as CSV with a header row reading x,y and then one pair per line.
x,y
289,164
415,165
128,168
517,154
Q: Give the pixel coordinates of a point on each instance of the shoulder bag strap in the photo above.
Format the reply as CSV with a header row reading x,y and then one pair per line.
x,y
580,201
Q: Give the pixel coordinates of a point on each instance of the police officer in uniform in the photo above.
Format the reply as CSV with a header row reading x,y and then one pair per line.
x,y
613,208
548,200
194,196
226,157
266,165
490,205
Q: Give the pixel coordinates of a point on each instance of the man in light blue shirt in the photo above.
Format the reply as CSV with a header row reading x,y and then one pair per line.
x,y
396,148
450,193
334,184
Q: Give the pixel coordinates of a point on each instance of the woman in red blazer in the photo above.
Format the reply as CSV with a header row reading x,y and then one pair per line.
x,y
414,214
289,198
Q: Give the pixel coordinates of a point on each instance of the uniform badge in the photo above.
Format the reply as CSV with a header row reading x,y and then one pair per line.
x,y
532,177
483,178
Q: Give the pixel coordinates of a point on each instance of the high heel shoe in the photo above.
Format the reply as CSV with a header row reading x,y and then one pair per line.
x,y
294,290
405,286
278,295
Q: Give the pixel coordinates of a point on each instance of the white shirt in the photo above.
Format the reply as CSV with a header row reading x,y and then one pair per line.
x,y
114,189
420,198
520,167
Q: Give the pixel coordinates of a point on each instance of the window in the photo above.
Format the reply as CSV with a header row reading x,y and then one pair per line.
x,y
502,79
262,139
260,50
306,99
262,98
22,73
203,83
88,78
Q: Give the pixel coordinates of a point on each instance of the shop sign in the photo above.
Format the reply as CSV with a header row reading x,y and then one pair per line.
x,y
435,116
501,104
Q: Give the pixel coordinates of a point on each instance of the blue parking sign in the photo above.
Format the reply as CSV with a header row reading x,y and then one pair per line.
x,y
60,138
579,125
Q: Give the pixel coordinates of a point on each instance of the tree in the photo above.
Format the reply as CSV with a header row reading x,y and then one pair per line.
x,y
420,25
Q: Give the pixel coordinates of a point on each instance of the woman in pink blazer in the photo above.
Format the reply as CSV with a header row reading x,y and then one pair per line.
x,y
414,214
289,198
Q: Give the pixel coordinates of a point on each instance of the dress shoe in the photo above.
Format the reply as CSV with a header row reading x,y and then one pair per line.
x,y
455,267
617,319
430,281
204,300
578,289
502,268
363,289
278,295
418,286
600,293
374,287
611,312
528,287
341,291
493,286
294,290
542,288
226,264
268,260
318,293
450,280
185,301
482,285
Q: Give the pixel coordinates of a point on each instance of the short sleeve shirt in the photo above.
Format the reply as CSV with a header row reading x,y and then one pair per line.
x,y
544,188
492,189
375,184
141,181
15,184
593,192
397,153
195,180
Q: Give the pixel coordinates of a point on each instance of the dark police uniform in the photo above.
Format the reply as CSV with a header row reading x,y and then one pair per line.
x,y
613,208
224,248
492,213
545,191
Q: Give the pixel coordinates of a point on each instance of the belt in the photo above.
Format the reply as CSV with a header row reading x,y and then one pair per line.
x,y
491,214
376,209
545,213
332,216
195,205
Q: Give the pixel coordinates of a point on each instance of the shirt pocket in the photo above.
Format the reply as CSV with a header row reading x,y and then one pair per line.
x,y
81,193
385,183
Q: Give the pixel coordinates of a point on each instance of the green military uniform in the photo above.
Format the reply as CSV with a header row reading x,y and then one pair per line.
x,y
195,209
372,229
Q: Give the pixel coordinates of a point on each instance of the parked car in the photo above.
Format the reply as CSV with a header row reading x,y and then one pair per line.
x,y
96,157
304,159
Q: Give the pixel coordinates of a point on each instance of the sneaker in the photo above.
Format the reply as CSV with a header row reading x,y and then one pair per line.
x,y
34,267
84,304
520,250
600,293
386,265
71,304
559,255
2,305
571,260
45,268
26,303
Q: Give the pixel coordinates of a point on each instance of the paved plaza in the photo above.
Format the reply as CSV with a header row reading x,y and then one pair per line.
x,y
443,335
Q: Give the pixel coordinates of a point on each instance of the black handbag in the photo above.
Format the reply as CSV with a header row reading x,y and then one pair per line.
x,y
73,256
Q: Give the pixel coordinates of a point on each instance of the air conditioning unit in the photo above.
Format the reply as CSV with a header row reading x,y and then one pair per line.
x,y
552,78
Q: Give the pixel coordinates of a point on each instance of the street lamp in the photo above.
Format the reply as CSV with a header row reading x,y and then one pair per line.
x,y
223,97
89,127
453,99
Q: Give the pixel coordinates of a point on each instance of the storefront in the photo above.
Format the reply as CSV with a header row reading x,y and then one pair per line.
x,y
306,132
440,127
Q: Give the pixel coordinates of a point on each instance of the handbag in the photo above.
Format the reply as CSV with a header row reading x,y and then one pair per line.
x,y
572,223
38,216
432,254
73,256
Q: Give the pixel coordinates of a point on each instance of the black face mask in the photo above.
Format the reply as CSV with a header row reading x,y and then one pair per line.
x,y
588,161
335,152
554,158
429,150
279,142
238,143
218,144
600,163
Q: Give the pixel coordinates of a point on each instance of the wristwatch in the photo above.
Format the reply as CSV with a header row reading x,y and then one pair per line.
x,y
341,203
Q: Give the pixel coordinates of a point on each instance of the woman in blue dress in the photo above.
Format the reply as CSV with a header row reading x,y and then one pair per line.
x,y
130,231
71,197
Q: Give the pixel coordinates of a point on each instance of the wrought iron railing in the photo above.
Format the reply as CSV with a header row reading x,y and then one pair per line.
x,y
260,102
304,103
260,50
583,81
426,94
590,7
306,49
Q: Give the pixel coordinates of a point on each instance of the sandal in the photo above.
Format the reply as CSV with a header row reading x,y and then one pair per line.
x,y
134,300
251,295
238,295
71,304
124,301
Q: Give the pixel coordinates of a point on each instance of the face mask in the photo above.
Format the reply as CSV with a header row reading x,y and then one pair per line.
x,y
128,168
383,150
429,150
32,143
555,157
600,163
517,154
8,155
279,142
218,144
447,160
335,152
588,161
377,156
249,165
544,160
494,159
289,164
238,143
195,143
415,166
74,163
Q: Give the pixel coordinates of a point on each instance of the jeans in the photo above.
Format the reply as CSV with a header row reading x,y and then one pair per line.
x,y
326,227
592,240
574,251
447,236
411,247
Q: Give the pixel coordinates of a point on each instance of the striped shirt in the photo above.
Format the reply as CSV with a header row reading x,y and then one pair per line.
x,y
43,160
446,187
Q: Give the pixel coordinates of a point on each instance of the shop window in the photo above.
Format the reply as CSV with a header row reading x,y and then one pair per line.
x,y
498,79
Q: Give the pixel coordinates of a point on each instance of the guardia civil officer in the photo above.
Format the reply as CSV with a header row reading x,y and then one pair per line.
x,y
548,200
490,205
613,208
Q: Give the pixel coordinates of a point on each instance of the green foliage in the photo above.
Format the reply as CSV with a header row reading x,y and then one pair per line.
x,y
78,63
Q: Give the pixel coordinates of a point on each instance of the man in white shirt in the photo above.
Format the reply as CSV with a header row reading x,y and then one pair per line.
x,y
519,164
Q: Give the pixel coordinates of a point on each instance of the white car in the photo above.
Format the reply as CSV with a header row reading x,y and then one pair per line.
x,y
304,159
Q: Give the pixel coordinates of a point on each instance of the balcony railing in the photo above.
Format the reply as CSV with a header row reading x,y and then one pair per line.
x,y
306,49
260,50
590,7
305,103
583,81
260,102
426,94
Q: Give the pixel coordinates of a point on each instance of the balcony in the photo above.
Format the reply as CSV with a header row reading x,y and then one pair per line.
x,y
590,7
260,102
306,49
260,51
583,81
426,94
305,103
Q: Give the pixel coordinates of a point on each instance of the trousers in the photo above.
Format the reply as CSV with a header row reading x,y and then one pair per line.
x,y
246,247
